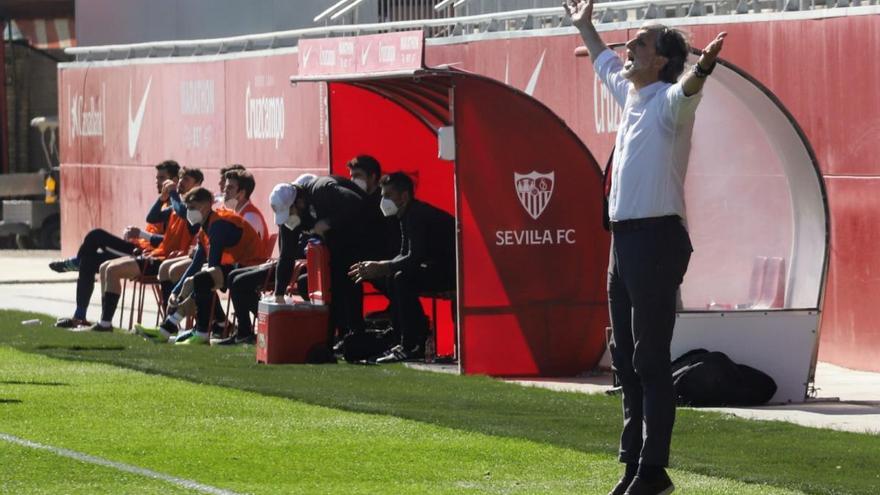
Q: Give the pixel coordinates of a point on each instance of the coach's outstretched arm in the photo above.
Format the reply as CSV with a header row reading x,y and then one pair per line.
x,y
693,80
581,14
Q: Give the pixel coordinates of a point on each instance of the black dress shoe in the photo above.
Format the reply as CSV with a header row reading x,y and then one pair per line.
x,y
622,485
661,485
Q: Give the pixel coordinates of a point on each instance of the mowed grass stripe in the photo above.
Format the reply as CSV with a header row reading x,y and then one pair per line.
x,y
27,471
772,453
252,443
116,466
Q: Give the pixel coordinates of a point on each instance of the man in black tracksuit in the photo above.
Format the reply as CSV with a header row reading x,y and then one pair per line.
x,y
382,233
333,209
426,263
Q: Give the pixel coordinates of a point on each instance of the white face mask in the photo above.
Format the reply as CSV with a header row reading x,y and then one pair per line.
x,y
193,216
361,183
292,221
231,203
388,207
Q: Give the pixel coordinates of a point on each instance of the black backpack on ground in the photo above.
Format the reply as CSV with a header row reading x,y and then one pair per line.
x,y
358,347
704,378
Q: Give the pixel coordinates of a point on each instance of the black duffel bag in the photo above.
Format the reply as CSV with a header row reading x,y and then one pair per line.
x,y
362,346
704,378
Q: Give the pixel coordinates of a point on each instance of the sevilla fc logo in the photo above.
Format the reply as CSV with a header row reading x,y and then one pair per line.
x,y
534,191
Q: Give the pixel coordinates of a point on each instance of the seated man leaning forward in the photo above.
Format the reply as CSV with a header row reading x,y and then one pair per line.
x,y
99,246
177,239
227,242
333,209
426,263
246,284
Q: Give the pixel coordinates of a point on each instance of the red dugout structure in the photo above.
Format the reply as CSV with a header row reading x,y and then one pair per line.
x,y
524,189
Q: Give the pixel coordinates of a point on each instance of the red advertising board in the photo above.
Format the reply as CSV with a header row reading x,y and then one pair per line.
x,y
363,55
119,120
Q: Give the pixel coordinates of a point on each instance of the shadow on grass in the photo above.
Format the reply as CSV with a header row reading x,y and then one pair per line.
x,y
41,384
10,401
773,453
79,348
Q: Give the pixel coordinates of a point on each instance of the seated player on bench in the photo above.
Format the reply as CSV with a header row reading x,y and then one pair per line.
x,y
177,239
99,246
226,242
426,263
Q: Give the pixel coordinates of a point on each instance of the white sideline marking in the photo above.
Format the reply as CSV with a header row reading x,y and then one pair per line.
x,y
192,485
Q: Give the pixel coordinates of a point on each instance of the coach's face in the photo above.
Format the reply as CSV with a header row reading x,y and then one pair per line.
x,y
643,64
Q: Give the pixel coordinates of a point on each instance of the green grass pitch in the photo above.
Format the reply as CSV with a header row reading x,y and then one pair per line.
x,y
214,417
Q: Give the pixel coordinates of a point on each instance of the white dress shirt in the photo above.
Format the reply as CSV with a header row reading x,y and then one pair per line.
x,y
652,146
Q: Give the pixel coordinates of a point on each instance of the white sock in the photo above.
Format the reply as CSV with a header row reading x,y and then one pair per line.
x,y
105,324
175,318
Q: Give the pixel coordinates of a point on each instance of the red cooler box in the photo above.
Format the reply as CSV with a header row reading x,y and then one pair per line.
x,y
289,333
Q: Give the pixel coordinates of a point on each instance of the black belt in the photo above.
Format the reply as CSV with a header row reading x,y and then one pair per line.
x,y
644,223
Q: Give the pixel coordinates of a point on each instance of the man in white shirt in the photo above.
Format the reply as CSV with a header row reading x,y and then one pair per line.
x,y
650,246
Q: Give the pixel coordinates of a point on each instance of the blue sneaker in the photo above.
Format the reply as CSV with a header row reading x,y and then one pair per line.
x,y
67,265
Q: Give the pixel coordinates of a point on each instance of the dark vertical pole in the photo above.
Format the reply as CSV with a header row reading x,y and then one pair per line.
x,y
4,117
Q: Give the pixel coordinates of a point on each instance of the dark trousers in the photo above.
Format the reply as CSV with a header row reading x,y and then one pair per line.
x,y
403,289
205,296
347,298
646,267
245,286
97,247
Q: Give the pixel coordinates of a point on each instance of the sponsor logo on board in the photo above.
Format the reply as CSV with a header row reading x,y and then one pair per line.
x,y
86,116
134,125
264,117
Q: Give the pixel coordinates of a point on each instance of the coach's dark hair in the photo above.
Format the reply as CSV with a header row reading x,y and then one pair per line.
x,y
198,195
171,167
672,44
244,180
400,182
367,163
194,173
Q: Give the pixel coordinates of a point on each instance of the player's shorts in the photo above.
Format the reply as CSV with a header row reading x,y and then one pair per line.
x,y
149,266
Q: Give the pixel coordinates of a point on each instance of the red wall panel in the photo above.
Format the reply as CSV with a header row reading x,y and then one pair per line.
x,y
850,323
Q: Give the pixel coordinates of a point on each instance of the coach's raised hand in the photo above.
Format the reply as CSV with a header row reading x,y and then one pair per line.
x,y
710,53
581,14
693,81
